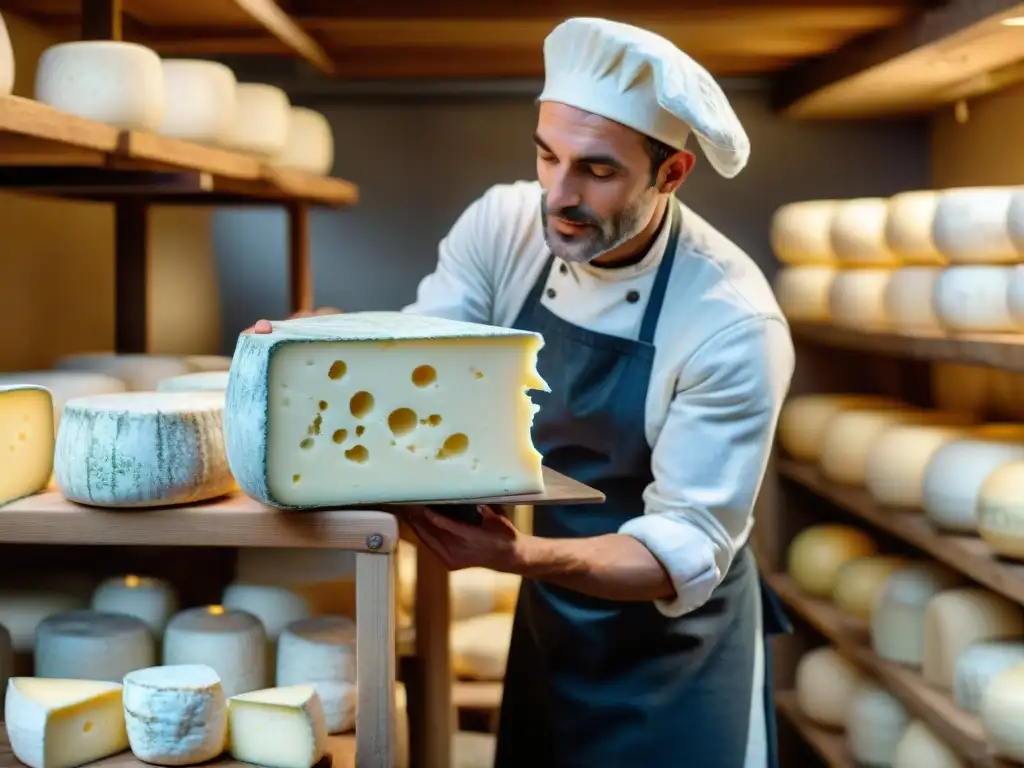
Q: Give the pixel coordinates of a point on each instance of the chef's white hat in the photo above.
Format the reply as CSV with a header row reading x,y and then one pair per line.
x,y
643,81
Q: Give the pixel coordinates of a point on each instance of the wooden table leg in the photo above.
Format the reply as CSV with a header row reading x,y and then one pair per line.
x,y
300,270
375,659
433,745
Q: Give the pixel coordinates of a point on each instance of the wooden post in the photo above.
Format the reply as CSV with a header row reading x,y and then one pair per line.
x,y
300,273
375,655
131,276
433,742
101,20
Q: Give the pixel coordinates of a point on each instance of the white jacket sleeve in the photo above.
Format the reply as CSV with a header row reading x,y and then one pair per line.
x,y
710,456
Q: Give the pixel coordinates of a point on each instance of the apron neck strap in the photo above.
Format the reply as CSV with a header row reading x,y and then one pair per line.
x,y
657,297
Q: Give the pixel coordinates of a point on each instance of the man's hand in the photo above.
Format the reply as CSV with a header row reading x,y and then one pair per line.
x,y
494,544
263,326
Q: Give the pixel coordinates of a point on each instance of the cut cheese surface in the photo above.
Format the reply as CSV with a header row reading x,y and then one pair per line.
x,y
232,643
908,302
112,82
153,601
176,715
91,645
825,685
261,120
974,299
204,381
327,411
1000,510
804,419
802,292
143,449
65,385
64,723
978,664
971,225
199,101
1002,708
479,646
897,461
278,727
859,582
956,618
310,145
817,553
800,232
139,372
26,441
856,299
858,233
908,227
875,725
920,747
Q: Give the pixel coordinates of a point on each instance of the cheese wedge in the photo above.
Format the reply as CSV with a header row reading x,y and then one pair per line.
x,y
278,727
26,441
335,410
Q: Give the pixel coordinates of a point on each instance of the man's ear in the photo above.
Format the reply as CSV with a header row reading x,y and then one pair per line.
x,y
674,170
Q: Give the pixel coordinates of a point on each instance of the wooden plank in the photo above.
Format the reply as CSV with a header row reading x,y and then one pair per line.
x,y
376,742
438,722
558,489
967,554
300,268
141,149
830,745
27,118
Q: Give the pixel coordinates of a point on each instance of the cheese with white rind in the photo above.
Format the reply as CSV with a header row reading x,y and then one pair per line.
x,y
6,61
479,591
310,146
322,651
232,643
1015,295
959,388
817,553
875,724
64,723
91,645
199,101
802,292
920,747
859,582
261,120
203,381
1000,510
113,82
176,715
152,601
971,225
978,664
800,233
479,646
275,607
203,363
143,449
858,233
1015,221
974,299
956,618
909,307
22,610
897,461
139,372
856,299
897,619
804,419
278,727
848,439
954,477
1002,707
908,227
327,411
26,441
65,385
6,657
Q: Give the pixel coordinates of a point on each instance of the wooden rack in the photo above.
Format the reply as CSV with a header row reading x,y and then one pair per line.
x,y
796,495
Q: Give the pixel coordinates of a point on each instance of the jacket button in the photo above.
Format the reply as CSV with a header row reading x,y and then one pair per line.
x,y
633,297
551,293
563,269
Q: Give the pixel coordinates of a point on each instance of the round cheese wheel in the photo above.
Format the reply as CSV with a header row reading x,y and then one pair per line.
x,y
859,582
897,621
206,381
978,663
875,725
21,611
6,63
112,82
817,553
1002,709
856,299
1015,220
825,685
954,476
974,299
956,618
920,747
858,233
275,607
139,372
199,101
849,436
804,418
202,363
480,646
91,645
310,145
802,292
959,388
908,227
1015,296
6,657
153,601
971,225
1000,510
908,300
233,643
322,651
897,461
261,120
800,232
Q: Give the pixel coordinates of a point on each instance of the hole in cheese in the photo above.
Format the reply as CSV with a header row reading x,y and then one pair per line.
x,y
411,448
87,726
361,404
402,421
359,430
455,445
424,376
296,478
337,370
323,405
339,435
306,444
476,373
314,428
357,454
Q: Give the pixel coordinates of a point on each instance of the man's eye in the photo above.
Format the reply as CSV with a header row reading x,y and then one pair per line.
x,y
601,171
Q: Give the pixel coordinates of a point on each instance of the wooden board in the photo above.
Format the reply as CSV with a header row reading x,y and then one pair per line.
x,y
558,489
830,745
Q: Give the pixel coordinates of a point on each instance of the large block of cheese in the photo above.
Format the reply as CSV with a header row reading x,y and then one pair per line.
x,y
971,225
859,582
825,685
803,292
143,449
26,441
804,419
858,233
908,227
382,407
800,232
64,723
898,459
816,555
856,299
278,727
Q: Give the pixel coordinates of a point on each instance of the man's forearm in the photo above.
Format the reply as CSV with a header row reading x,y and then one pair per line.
x,y
613,567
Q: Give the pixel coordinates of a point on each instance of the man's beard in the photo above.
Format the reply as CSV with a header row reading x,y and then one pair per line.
x,y
600,236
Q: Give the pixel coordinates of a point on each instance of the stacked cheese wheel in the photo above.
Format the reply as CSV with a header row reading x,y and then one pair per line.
x,y
917,263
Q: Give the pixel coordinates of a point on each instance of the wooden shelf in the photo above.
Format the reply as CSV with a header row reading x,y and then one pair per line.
x,y
960,729
47,152
967,554
830,745
1005,350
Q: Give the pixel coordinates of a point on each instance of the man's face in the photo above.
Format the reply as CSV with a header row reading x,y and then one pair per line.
x,y
596,176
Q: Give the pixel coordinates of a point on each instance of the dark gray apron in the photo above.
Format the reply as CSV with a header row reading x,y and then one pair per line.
x,y
607,684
